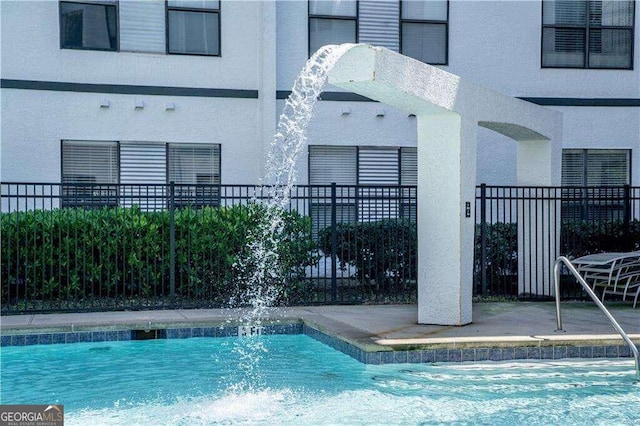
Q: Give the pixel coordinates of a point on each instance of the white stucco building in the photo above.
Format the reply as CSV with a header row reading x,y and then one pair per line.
x,y
151,91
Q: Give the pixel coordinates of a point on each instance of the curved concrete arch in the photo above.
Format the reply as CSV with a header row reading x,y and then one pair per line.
x,y
449,111
513,131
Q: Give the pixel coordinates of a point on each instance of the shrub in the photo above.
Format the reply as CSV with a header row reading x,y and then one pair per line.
x,y
383,252
501,257
75,254
581,237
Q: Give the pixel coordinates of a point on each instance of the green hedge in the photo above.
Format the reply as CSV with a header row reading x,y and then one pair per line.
x,y
384,252
75,254
580,237
386,249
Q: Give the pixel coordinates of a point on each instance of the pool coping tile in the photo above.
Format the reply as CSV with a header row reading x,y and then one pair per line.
x,y
362,352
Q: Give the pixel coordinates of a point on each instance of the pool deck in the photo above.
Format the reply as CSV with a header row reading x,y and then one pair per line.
x,y
376,328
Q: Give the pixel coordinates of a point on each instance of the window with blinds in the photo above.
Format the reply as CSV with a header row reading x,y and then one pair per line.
x,y
89,172
332,22
593,180
378,23
142,26
193,27
374,174
409,177
195,169
327,165
587,34
143,173
424,30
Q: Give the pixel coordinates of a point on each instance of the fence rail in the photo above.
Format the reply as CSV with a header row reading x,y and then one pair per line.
x,y
522,230
99,247
82,247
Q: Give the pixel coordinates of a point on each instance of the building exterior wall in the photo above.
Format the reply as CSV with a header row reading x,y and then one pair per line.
x,y
263,47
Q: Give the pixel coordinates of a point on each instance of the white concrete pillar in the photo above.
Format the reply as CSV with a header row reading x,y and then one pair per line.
x,y
446,179
538,232
449,111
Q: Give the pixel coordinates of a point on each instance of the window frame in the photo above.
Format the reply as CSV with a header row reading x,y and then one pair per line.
x,y
587,27
594,202
82,194
114,4
353,197
196,195
584,152
311,16
426,21
217,12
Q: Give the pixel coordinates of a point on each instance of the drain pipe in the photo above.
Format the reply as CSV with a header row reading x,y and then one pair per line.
x,y
596,300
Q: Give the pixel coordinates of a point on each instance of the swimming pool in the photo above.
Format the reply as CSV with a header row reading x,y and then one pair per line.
x,y
298,380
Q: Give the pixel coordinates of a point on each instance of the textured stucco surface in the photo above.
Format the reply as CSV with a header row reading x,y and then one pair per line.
x,y
449,110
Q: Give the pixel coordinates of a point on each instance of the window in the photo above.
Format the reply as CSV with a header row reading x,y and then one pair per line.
x,y
136,173
595,179
90,172
367,179
193,27
424,31
587,34
332,22
90,26
196,171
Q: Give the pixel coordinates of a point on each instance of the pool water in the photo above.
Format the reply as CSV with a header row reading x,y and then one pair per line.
x,y
293,379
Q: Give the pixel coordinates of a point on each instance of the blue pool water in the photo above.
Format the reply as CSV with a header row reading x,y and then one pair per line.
x,y
293,379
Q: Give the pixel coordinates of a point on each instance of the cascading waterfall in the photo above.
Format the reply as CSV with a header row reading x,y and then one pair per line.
x,y
259,271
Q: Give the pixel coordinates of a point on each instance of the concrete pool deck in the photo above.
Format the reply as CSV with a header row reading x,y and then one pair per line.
x,y
376,328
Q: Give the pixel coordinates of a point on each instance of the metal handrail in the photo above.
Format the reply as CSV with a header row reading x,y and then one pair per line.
x,y
612,320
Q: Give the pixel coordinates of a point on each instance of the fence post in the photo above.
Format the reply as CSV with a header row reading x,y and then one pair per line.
x,y
626,226
334,245
172,245
483,237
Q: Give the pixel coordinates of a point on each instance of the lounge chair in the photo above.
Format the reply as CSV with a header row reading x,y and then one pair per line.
x,y
612,273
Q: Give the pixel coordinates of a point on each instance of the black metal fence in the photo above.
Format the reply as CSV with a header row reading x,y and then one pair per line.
x,y
520,232
80,247
71,247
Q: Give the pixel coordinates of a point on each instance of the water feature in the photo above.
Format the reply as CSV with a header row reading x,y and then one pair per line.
x,y
261,267
259,271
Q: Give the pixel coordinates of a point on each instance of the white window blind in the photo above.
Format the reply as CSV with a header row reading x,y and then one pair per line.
x,y
350,165
142,26
197,165
142,163
329,164
595,167
89,162
194,163
378,166
378,23
573,167
607,167
408,166
94,166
